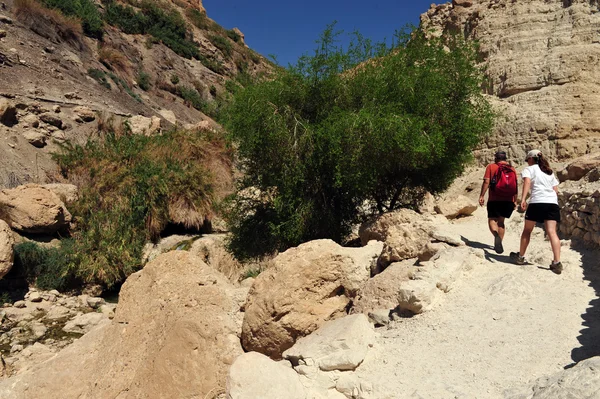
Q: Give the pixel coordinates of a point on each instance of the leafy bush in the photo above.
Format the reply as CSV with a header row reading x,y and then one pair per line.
x,y
99,76
344,129
166,25
222,44
199,19
143,80
123,84
214,65
233,35
131,187
174,79
47,268
85,10
191,96
113,59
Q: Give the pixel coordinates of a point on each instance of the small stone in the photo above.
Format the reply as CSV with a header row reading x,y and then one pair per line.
x,y
20,304
94,302
72,96
56,109
35,297
2,33
16,348
5,19
51,120
35,138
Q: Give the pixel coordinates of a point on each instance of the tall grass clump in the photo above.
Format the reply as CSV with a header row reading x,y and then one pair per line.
x,y
163,23
348,132
131,187
49,23
85,10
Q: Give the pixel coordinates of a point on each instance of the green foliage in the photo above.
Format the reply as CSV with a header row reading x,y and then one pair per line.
x,y
369,125
222,44
86,10
47,268
143,80
174,79
5,298
99,76
214,65
132,187
192,96
164,24
213,90
233,35
251,272
199,19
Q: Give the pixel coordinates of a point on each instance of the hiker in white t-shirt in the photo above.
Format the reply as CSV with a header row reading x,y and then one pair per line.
x,y
539,179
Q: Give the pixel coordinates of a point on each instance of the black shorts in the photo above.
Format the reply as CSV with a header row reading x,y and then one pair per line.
x,y
542,212
500,209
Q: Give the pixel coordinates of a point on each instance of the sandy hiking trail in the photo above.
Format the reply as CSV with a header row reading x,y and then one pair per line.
x,y
500,328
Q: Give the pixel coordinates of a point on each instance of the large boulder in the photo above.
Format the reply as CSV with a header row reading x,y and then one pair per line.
x,y
33,209
407,235
579,167
302,289
84,114
142,125
7,242
173,336
405,287
581,381
254,376
340,344
455,207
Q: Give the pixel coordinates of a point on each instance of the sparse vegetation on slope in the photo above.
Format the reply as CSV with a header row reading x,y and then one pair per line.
x,y
342,129
166,25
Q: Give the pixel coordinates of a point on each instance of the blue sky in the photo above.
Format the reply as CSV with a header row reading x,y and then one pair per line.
x,y
289,29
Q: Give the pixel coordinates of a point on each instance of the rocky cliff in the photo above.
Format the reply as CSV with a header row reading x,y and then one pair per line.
x,y
154,59
543,72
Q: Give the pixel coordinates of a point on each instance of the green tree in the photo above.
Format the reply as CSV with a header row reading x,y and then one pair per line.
x,y
349,131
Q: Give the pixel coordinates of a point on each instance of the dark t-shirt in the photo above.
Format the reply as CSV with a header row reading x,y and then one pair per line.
x,y
490,172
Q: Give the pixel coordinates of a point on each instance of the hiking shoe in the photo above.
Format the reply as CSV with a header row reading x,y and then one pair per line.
x,y
557,267
518,259
498,244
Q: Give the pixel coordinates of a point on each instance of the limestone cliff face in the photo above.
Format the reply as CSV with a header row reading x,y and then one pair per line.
x,y
543,68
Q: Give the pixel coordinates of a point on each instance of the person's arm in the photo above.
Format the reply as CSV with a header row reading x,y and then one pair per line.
x,y
484,188
526,187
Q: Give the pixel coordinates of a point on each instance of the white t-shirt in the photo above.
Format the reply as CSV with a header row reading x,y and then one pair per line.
x,y
542,185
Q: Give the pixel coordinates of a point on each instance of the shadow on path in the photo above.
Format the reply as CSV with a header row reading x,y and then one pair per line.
x,y
589,337
489,256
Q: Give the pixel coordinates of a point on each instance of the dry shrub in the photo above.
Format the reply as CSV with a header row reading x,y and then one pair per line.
x,y
114,59
48,23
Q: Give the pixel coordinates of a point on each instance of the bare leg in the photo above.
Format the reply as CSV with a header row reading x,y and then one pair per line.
x,y
554,240
501,228
493,225
526,236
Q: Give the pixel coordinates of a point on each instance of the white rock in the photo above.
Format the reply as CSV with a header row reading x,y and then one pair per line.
x,y
84,323
254,376
340,344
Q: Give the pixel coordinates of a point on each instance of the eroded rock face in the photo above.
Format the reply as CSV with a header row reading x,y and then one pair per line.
x,y
173,336
33,209
543,67
579,168
7,242
305,287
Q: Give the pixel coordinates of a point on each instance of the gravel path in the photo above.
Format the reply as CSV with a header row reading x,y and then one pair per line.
x,y
501,327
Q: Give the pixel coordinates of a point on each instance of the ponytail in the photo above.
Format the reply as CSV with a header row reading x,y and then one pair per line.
x,y
543,164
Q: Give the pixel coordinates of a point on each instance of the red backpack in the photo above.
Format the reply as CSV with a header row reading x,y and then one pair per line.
x,y
504,183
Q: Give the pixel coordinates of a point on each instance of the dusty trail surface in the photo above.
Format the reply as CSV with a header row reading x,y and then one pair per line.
x,y
501,327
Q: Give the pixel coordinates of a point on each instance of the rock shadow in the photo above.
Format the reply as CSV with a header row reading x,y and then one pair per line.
x,y
589,337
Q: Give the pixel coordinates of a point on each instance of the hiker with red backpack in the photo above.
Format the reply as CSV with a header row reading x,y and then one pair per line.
x,y
539,179
501,179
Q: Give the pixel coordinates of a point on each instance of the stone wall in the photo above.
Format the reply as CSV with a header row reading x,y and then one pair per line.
x,y
580,212
543,68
